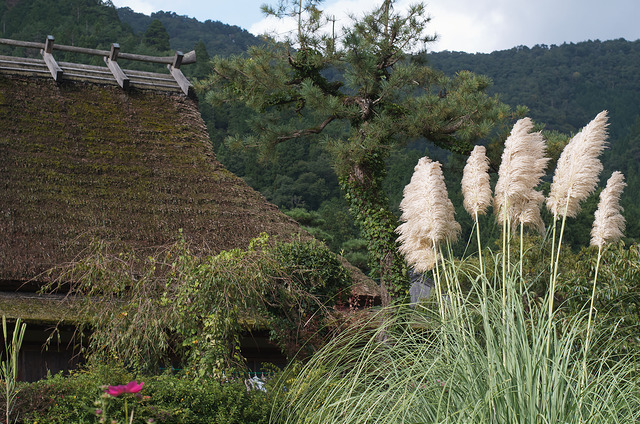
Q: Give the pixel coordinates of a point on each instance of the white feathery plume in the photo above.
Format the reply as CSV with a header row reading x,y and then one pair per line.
x,y
422,258
530,213
427,215
522,168
578,168
609,224
476,189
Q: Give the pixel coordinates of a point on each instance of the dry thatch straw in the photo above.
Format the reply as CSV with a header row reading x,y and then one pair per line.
x,y
521,169
578,168
475,183
608,225
427,215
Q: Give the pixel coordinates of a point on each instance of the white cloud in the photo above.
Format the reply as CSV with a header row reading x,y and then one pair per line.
x,y
455,24
139,6
462,25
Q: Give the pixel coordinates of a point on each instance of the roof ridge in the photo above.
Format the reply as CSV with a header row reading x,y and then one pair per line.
x,y
112,73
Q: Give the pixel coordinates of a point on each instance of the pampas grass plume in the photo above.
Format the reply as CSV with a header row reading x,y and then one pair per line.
x,y
578,168
530,213
522,167
609,224
427,215
476,189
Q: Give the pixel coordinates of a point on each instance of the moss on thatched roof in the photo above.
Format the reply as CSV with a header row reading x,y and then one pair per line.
x,y
80,162
41,309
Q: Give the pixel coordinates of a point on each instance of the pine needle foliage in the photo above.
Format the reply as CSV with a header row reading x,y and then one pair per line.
x,y
363,90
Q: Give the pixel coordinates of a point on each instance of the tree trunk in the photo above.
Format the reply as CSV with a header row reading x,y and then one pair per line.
x,y
369,206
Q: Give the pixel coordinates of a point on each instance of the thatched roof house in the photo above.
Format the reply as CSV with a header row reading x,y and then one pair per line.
x,y
81,161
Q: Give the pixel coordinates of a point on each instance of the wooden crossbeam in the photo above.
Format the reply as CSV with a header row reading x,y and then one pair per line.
x,y
111,59
177,74
177,59
188,57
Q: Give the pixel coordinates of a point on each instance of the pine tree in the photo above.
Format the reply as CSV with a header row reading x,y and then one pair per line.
x,y
365,92
156,36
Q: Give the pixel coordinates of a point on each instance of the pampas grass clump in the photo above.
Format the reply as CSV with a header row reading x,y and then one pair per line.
x,y
477,365
476,189
485,355
576,177
608,226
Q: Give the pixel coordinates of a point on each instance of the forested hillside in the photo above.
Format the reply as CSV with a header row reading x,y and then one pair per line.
x,y
86,23
185,32
563,86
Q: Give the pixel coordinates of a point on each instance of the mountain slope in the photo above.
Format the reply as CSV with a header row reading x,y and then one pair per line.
x,y
219,38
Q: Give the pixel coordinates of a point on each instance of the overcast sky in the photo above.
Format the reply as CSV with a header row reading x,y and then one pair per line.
x,y
461,25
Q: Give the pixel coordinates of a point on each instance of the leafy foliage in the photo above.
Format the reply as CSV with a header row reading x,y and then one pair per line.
x,y
617,297
195,307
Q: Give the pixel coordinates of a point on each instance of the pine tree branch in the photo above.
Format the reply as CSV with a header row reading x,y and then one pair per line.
x,y
306,131
458,124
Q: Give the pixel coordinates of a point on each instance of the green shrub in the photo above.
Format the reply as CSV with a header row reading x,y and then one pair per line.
x,y
194,307
177,399
617,295
167,398
68,399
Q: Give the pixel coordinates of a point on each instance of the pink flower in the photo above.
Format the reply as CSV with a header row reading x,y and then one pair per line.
x,y
131,387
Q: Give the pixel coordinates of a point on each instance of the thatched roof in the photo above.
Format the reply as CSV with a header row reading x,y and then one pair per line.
x,y
83,161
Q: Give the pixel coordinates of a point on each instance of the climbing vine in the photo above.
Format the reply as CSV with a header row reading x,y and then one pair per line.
x,y
369,207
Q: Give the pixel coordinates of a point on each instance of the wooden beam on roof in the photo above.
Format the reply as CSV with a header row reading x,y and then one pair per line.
x,y
56,71
177,59
188,57
112,64
18,43
113,73
182,81
177,74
